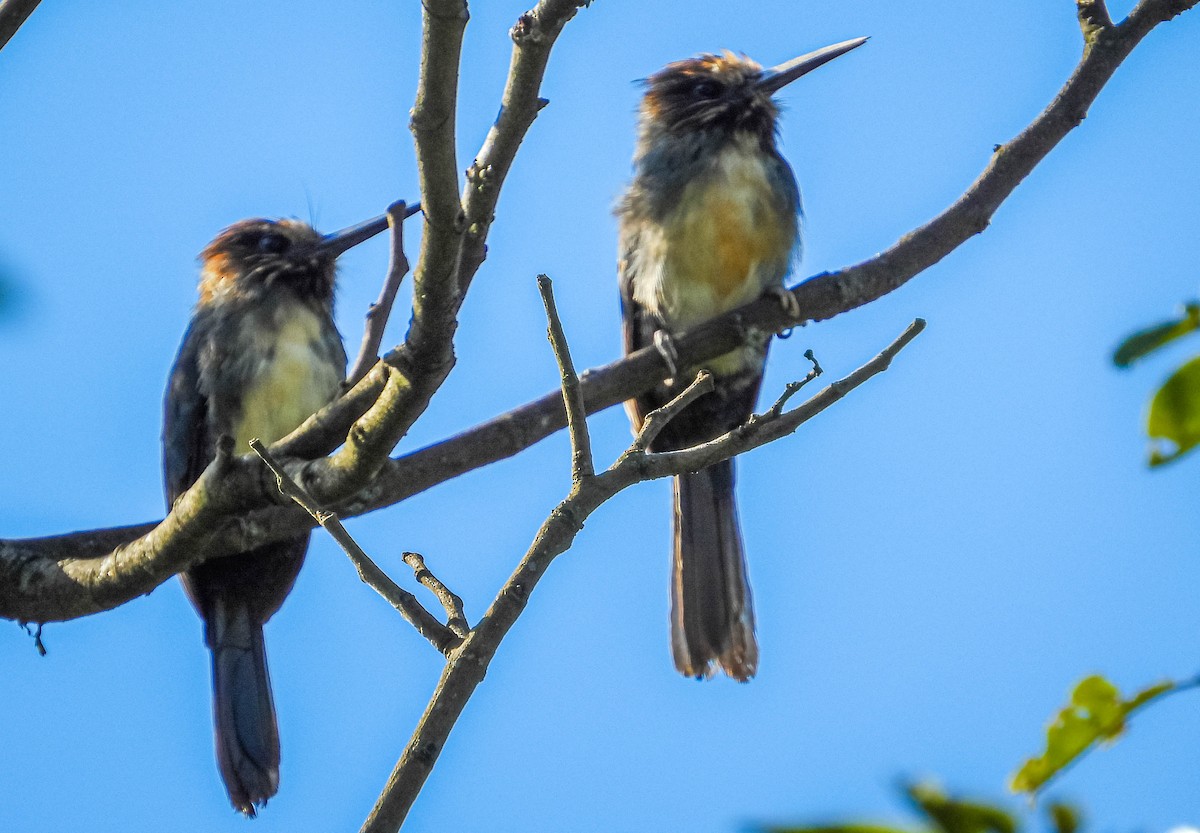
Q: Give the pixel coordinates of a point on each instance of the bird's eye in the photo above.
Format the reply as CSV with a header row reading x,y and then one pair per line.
x,y
706,90
272,243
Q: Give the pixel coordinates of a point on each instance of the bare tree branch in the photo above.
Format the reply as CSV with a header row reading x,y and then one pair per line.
x,y
427,351
792,388
381,310
469,662
66,587
406,603
456,618
657,419
414,371
582,465
534,35
13,13
72,575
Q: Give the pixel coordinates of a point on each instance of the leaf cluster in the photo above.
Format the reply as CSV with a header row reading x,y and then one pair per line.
x,y
1095,714
1173,421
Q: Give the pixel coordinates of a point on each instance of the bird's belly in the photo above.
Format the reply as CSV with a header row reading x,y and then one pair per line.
x,y
295,379
728,241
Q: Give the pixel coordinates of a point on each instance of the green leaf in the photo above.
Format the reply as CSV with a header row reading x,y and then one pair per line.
x,y
1174,420
1095,714
952,815
1064,817
1144,342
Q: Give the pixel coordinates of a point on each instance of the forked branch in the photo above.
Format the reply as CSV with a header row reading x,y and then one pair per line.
x,y
469,662
66,576
406,603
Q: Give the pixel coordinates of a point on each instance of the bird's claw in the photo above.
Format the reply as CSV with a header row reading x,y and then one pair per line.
x,y
787,300
665,346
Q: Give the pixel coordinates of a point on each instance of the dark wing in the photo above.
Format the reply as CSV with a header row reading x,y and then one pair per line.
x,y
187,447
638,324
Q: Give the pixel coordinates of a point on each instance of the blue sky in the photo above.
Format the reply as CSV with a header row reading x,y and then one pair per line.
x,y
935,561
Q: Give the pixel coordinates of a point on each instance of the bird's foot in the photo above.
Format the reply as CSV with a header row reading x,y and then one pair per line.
x,y
787,300
665,346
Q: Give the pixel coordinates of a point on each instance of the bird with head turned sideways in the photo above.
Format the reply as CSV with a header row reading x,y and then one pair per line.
x,y
710,222
260,356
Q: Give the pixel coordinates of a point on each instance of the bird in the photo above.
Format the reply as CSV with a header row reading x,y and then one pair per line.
x,y
260,355
710,221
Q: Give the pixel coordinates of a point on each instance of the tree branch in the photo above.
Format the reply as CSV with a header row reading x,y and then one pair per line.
x,y
657,420
381,310
582,465
469,662
416,369
72,575
13,13
35,587
370,573
534,36
427,350
456,618
792,388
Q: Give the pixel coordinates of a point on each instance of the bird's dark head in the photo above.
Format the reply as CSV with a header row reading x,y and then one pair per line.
x,y
258,255
723,94
708,93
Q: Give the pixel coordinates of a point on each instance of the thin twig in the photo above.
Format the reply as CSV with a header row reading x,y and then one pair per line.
x,y
656,420
582,465
792,388
379,312
468,665
456,618
406,603
759,431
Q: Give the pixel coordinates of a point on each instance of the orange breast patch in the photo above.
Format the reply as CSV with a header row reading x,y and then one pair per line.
x,y
726,231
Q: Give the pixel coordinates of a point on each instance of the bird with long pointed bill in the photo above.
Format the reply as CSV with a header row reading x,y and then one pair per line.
x,y
711,221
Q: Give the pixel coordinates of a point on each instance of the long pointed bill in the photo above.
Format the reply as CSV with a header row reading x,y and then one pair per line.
x,y
338,242
777,77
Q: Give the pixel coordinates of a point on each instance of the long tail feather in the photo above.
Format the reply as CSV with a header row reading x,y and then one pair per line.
x,y
243,711
712,617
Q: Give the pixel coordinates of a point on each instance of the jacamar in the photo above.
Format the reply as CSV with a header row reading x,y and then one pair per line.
x,y
711,221
260,356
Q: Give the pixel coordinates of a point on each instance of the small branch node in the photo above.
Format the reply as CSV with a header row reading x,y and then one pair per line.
x,y
1094,20
808,354
526,30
